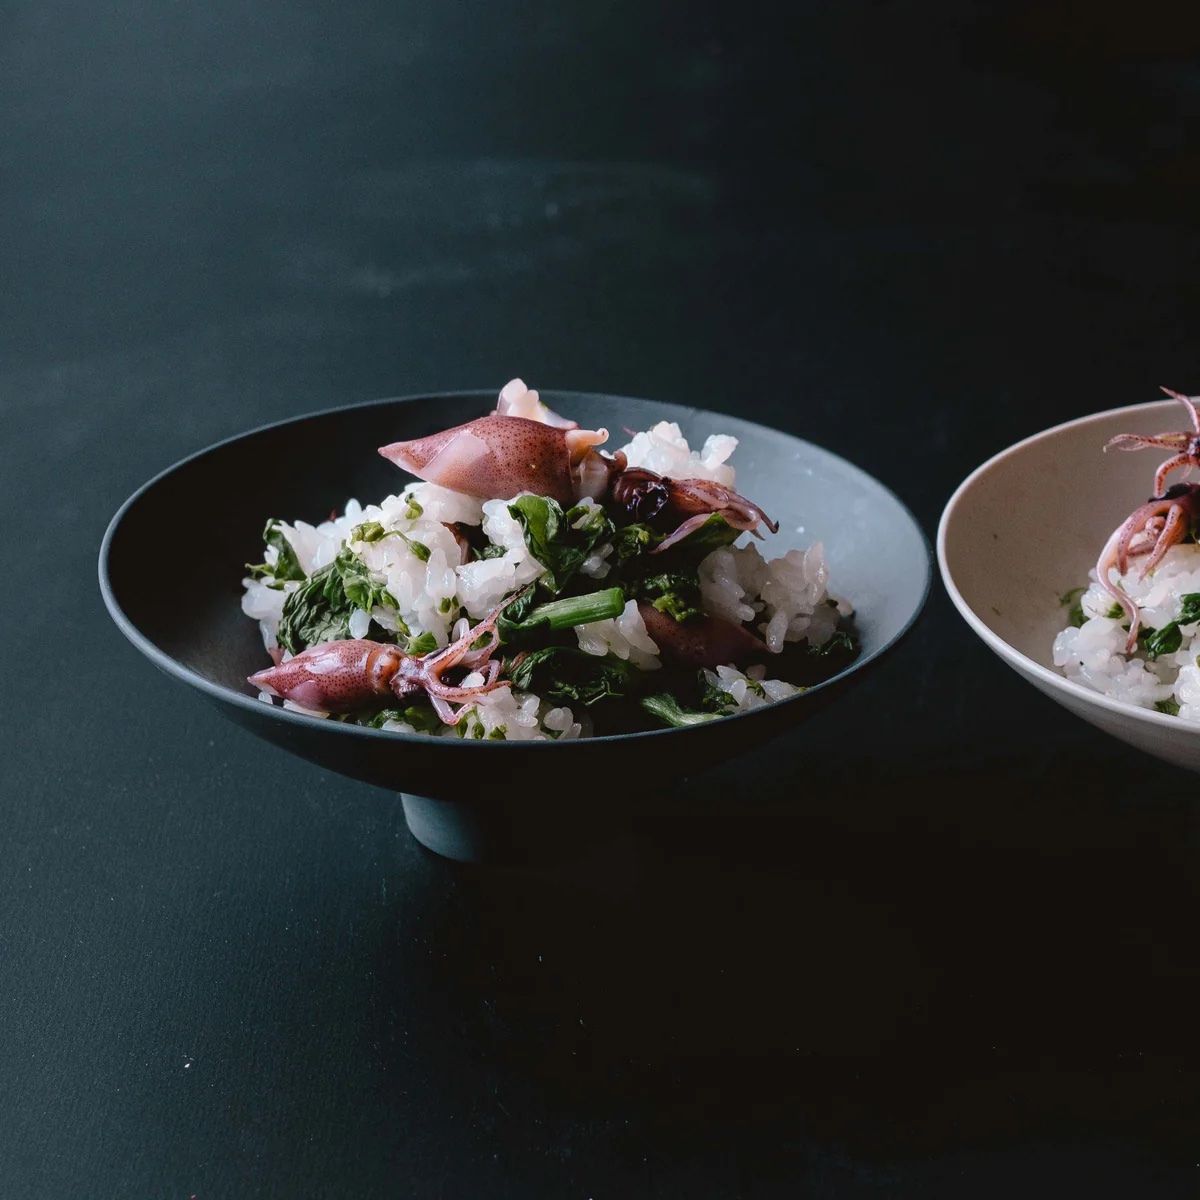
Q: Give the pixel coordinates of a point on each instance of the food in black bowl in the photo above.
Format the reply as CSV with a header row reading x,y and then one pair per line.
x,y
533,597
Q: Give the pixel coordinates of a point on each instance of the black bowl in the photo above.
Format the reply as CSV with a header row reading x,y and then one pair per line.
x,y
479,799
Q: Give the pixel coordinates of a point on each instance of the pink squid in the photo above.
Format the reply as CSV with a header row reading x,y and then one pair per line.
x,y
524,447
1186,444
356,673
701,642
1151,529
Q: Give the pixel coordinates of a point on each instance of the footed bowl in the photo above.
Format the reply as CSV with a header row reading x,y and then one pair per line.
x,y
481,800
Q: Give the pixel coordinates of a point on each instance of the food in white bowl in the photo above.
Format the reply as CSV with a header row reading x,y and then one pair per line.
x,y
1023,532
1134,630
533,587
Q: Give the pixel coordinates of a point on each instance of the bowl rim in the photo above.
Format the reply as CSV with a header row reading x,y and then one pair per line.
x,y
252,705
1007,651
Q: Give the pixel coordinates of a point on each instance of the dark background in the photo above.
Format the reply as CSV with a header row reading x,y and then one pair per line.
x,y
942,944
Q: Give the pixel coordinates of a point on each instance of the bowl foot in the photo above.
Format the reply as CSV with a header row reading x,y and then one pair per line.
x,y
490,829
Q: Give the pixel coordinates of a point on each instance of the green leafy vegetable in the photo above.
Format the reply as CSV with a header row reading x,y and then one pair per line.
x,y
420,716
1071,602
711,535
1168,638
319,610
667,709
412,509
672,593
360,584
1157,642
422,643
1170,707
567,673
286,566
840,642
560,541
1189,608
713,697
631,541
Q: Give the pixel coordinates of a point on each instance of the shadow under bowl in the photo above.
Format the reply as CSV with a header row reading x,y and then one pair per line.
x,y
474,800
1026,527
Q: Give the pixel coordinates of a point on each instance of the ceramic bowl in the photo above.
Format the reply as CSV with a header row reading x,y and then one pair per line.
x,y
465,799
1026,527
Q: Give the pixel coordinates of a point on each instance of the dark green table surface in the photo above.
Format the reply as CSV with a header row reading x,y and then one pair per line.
x,y
948,947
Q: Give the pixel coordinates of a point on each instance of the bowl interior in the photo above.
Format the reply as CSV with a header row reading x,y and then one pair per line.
x,y
174,556
1028,525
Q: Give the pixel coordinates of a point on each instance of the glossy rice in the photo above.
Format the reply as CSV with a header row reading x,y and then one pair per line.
x,y
785,598
1093,653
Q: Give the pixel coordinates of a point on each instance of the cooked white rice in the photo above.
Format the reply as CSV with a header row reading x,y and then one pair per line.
x,y
749,689
664,449
785,597
625,636
1094,653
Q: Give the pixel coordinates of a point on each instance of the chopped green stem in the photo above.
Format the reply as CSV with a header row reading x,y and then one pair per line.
x,y
578,610
666,708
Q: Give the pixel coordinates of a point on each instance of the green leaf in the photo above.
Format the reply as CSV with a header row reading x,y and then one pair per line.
x,y
361,585
675,594
1070,601
713,697
1168,638
286,565
420,716
632,541
841,642
553,539
1170,707
1189,608
421,643
667,709
319,610
703,540
1158,642
568,674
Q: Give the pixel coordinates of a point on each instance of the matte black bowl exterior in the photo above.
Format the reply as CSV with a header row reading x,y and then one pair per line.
x,y
311,465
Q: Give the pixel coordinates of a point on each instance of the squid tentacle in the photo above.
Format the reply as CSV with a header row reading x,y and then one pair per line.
x,y
1186,444
1151,529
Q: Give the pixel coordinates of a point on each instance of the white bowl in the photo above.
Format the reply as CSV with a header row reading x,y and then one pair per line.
x,y
1027,526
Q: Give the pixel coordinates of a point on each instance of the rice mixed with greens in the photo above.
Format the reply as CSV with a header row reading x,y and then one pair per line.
x,y
605,615
1163,670
1134,632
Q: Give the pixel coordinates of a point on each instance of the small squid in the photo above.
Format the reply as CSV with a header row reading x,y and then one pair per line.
x,y
1186,444
524,447
1150,530
702,642
356,673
